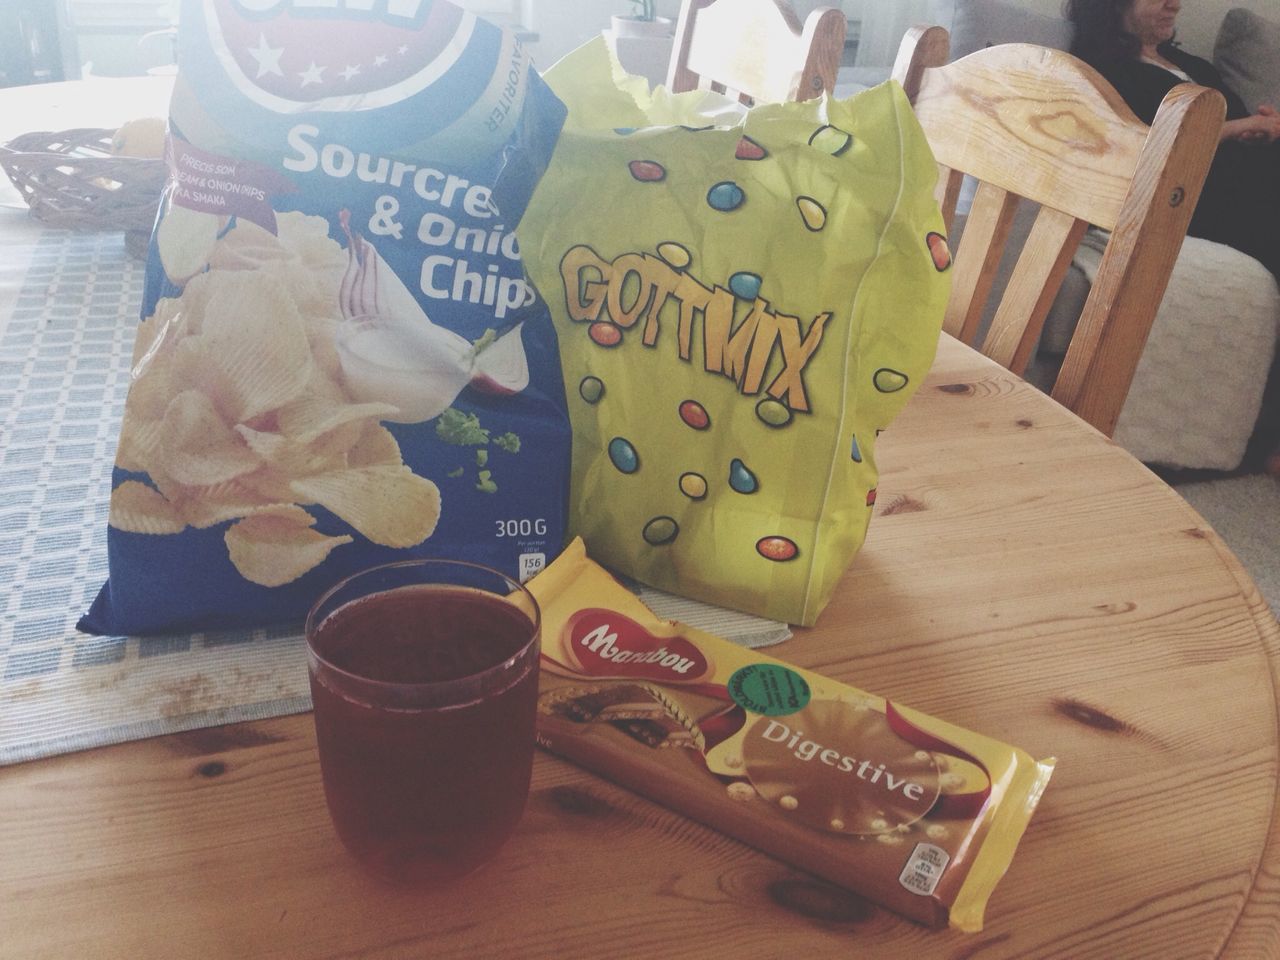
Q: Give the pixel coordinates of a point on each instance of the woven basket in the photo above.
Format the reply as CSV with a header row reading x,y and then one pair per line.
x,y
70,179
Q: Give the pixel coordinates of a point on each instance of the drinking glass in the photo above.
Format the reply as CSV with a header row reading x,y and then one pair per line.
x,y
424,680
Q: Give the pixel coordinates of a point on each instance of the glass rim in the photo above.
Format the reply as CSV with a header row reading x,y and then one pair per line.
x,y
470,678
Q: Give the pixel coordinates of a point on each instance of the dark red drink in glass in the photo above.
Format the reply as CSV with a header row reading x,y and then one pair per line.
x,y
424,678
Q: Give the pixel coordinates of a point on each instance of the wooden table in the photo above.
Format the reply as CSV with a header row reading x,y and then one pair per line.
x,y
1024,577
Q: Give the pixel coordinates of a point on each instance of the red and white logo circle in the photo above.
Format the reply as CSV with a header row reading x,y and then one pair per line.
x,y
287,56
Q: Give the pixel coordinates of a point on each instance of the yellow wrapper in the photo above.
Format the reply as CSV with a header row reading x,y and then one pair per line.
x,y
909,811
744,300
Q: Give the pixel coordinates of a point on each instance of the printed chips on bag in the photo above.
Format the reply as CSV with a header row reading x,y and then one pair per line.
x,y
340,360
756,301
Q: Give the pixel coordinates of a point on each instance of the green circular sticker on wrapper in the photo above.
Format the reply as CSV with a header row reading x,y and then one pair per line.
x,y
769,689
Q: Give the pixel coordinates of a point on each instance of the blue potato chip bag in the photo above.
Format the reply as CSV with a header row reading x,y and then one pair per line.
x,y
340,360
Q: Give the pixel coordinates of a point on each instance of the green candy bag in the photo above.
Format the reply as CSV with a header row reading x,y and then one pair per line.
x,y
744,299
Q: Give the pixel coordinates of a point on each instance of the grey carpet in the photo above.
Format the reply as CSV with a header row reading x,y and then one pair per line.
x,y
1245,511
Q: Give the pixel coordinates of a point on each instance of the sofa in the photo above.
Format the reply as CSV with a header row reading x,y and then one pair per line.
x,y
1198,389
1247,52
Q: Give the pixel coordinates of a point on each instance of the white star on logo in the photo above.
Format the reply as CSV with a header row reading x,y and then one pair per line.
x,y
379,60
268,57
403,50
312,74
348,73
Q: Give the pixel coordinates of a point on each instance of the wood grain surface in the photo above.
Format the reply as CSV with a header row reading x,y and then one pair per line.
x,y
1023,577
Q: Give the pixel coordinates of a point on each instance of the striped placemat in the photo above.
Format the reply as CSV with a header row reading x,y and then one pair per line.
x,y
66,339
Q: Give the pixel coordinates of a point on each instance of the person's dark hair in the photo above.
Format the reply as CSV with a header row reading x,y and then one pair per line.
x,y
1100,37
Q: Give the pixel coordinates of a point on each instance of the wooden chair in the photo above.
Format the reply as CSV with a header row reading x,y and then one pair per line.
x,y
756,50
1035,123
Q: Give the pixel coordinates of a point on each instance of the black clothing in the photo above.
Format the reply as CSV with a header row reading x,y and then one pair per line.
x,y
1143,85
1240,205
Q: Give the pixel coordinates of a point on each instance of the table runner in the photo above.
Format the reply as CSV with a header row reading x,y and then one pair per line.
x,y
66,339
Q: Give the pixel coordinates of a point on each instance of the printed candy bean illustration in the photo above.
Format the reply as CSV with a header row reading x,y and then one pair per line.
x,y
812,212
605,334
591,389
831,140
695,415
675,254
741,479
772,412
777,548
938,250
745,285
624,455
887,380
660,530
647,171
693,485
726,196
748,149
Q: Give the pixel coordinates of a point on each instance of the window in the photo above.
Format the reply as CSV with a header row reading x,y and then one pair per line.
x,y
101,15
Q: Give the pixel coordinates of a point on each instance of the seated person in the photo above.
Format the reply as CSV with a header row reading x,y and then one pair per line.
x,y
1130,42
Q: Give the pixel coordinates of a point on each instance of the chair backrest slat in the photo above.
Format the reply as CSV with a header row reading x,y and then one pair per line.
x,y
758,49
978,258
947,193
1041,268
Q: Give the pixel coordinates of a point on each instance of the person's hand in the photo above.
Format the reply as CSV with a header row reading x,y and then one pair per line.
x,y
1261,127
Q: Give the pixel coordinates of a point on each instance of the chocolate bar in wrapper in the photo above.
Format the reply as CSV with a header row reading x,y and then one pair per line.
x,y
909,811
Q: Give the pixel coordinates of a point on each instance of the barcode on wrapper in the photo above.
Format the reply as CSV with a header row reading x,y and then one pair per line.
x,y
924,869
